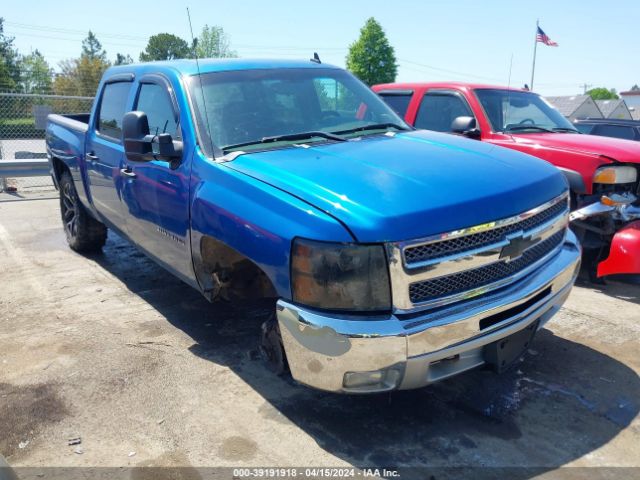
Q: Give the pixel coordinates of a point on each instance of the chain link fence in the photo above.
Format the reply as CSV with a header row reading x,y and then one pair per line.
x,y
23,120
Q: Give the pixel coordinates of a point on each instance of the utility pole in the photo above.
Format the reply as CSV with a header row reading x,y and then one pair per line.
x,y
585,86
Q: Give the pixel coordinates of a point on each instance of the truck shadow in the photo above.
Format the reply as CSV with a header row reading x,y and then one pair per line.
x,y
561,402
620,287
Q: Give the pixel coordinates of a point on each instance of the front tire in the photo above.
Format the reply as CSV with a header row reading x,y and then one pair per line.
x,y
271,348
84,233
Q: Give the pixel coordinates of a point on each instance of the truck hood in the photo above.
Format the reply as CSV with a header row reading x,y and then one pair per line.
x,y
407,186
626,151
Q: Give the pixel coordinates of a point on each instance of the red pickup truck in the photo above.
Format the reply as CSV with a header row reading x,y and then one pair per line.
x,y
602,172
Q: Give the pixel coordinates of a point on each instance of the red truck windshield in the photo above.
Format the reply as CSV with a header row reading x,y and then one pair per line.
x,y
245,106
523,112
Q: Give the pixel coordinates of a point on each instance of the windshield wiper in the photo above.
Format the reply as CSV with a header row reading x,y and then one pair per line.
x,y
516,128
303,136
374,126
565,129
289,136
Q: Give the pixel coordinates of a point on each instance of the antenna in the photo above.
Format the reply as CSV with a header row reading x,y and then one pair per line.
x,y
316,58
216,152
506,113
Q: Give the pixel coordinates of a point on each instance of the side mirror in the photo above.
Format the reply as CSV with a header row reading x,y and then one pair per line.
x,y
465,126
141,146
165,148
136,138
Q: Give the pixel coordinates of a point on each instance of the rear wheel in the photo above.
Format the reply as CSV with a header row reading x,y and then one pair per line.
x,y
84,233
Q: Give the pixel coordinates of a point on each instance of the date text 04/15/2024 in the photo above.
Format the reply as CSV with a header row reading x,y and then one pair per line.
x,y
239,473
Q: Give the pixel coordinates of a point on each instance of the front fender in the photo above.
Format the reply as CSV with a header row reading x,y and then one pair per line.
x,y
578,166
254,219
624,254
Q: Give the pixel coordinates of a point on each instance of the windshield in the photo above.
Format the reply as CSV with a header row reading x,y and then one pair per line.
x,y
252,108
524,112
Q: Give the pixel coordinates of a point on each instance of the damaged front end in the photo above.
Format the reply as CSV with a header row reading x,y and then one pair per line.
x,y
611,225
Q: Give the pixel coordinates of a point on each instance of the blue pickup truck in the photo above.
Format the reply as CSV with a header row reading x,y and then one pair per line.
x,y
395,257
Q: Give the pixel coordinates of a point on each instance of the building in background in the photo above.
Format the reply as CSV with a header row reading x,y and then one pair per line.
x,y
631,98
576,106
614,109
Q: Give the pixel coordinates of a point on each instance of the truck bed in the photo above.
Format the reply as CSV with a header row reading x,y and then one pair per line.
x,y
66,139
75,121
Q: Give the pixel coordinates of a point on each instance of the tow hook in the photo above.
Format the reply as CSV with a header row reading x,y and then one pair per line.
x,y
618,204
271,348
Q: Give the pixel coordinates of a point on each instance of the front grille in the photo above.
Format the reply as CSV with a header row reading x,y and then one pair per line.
x,y
471,279
445,248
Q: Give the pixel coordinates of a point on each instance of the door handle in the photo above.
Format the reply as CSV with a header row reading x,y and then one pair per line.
x,y
92,157
127,172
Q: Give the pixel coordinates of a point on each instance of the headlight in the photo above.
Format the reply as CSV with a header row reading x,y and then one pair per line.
x,y
615,175
337,276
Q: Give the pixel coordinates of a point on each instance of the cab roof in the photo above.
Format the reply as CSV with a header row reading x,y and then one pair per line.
x,y
422,85
209,65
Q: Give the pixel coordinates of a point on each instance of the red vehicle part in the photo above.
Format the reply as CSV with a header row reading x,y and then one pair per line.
x,y
578,156
624,254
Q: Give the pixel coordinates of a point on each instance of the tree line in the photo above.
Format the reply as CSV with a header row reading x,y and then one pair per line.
x,y
371,58
31,73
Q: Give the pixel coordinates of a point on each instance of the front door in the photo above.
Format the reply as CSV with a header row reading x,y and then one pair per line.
x,y
439,108
156,193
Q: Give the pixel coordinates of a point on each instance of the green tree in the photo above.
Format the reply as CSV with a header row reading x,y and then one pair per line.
x,y
92,48
635,88
165,46
372,58
9,61
602,93
123,59
213,42
66,81
36,74
81,76
90,72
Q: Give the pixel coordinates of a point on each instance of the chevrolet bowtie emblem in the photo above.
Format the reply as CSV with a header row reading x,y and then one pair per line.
x,y
516,247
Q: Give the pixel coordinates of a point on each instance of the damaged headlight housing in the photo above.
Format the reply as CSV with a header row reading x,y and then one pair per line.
x,y
615,175
340,276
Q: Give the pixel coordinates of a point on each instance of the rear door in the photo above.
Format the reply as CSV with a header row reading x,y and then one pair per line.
x,y
104,150
156,193
398,100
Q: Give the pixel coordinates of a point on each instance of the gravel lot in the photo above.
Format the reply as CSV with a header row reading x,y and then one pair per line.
x,y
112,349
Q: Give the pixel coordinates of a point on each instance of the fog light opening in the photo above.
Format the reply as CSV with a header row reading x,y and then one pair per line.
x,y
386,379
452,358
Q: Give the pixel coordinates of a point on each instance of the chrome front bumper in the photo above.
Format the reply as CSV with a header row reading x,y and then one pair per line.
x,y
352,354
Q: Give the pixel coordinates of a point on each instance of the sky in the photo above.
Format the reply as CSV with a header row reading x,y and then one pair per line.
x,y
463,40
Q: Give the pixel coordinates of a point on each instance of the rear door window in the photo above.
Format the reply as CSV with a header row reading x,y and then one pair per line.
x,y
438,110
154,100
399,102
112,108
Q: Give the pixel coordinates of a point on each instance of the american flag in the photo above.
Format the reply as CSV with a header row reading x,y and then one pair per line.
x,y
542,37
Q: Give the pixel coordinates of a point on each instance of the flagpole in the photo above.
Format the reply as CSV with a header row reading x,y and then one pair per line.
x,y
535,47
